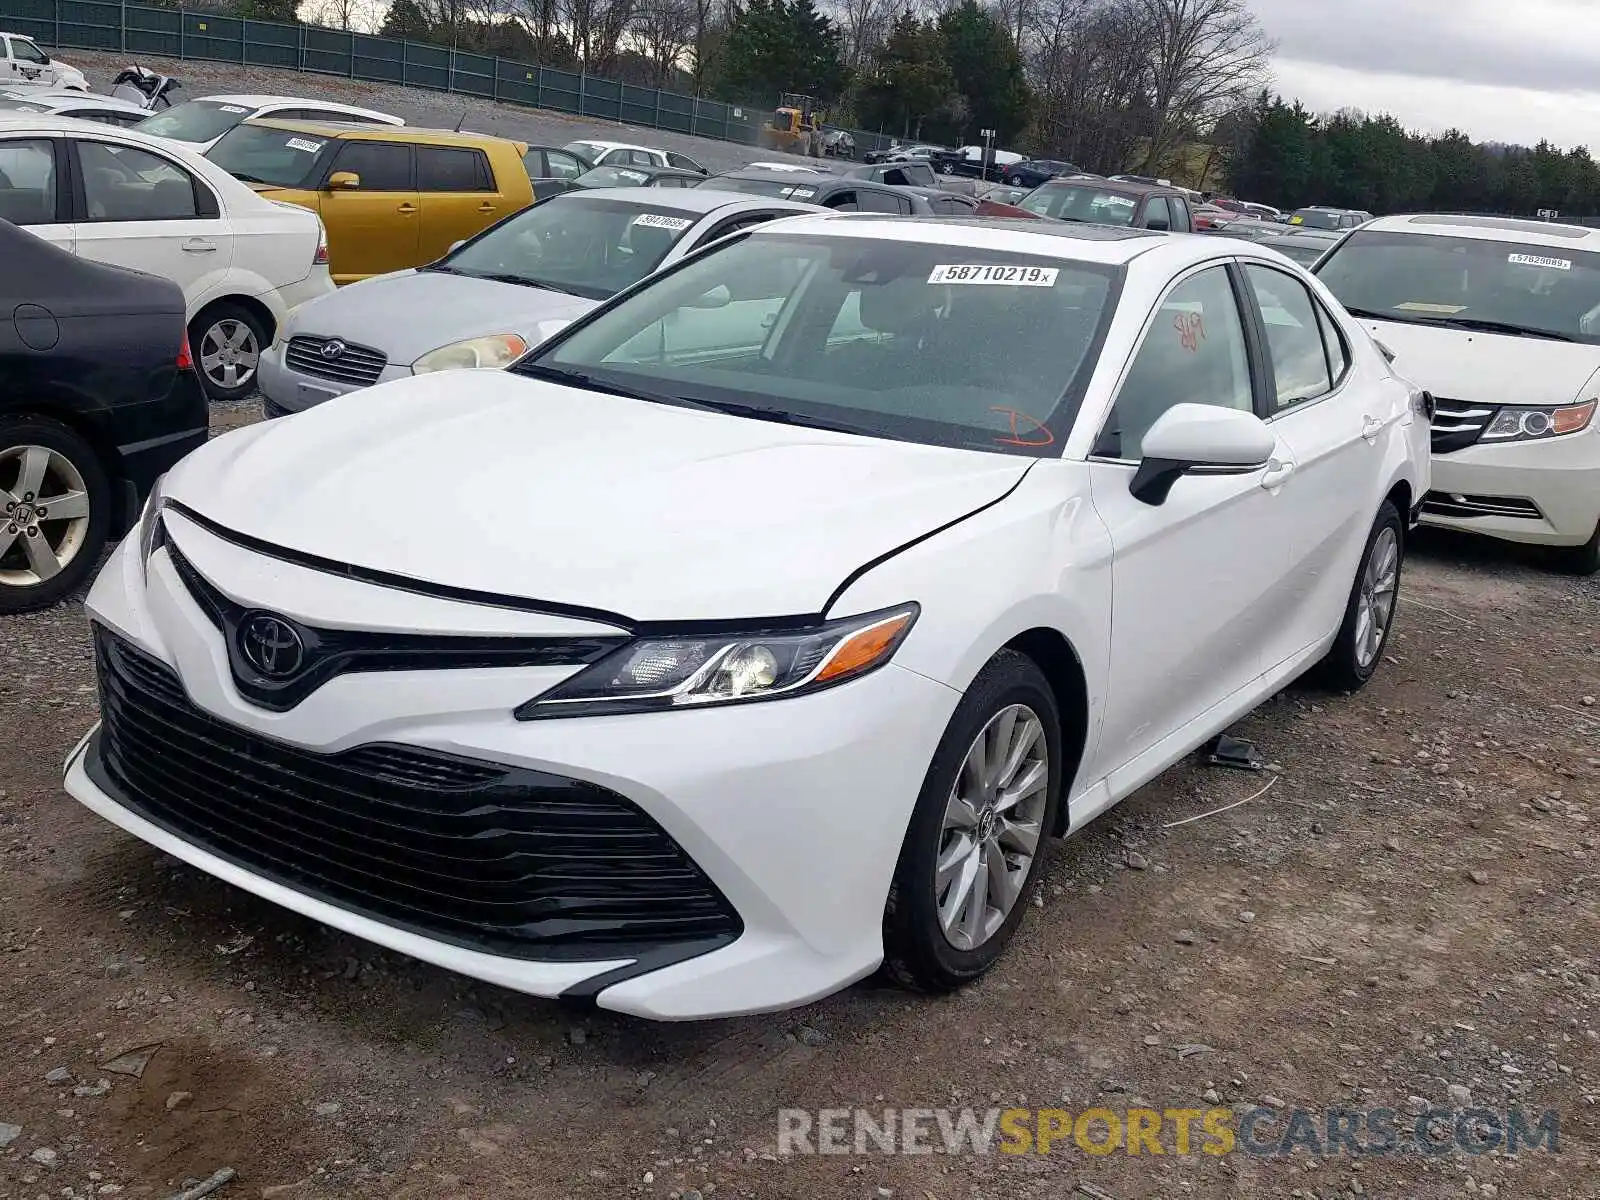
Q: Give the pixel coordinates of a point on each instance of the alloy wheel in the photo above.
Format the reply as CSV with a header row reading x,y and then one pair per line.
x,y
1380,583
992,825
229,354
44,514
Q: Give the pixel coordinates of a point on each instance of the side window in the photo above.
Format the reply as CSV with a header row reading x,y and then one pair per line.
x,y
288,114
1193,353
383,166
1181,222
843,202
881,202
121,183
683,162
1156,213
896,177
447,169
28,182
25,51
642,158
561,165
1338,349
1294,337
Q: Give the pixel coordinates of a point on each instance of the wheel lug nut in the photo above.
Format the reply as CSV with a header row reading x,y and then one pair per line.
x,y
27,497
40,512
33,531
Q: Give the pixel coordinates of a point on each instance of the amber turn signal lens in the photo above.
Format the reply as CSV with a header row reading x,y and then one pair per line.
x,y
864,649
1573,419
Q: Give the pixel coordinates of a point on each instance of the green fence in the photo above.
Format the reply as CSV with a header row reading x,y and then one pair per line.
x,y
173,33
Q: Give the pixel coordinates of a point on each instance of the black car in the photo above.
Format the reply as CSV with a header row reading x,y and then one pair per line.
x,y
602,177
552,171
1031,172
98,397
830,191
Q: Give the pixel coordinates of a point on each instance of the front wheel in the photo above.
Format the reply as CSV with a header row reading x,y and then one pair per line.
x,y
976,840
226,341
1369,614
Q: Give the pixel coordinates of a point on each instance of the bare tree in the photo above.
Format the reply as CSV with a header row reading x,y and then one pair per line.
x,y
596,28
338,14
864,25
1205,57
1088,65
663,31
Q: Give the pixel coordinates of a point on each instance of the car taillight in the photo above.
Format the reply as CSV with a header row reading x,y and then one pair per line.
x,y
321,257
185,357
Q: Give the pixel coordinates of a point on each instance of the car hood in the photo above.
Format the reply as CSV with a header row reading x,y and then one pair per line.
x,y
409,313
1489,368
502,484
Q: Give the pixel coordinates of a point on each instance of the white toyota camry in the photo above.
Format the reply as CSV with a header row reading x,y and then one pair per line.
x,y
759,629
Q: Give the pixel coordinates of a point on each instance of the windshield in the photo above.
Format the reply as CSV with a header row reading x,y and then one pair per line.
x,y
574,243
7,102
613,177
1313,219
784,189
1425,278
1302,253
944,345
1092,204
587,151
195,120
262,154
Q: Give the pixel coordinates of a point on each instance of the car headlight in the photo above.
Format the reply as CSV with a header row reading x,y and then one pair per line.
x,y
1531,424
494,351
655,674
151,531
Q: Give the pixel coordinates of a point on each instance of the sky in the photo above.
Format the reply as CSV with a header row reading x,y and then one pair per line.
x,y
1500,70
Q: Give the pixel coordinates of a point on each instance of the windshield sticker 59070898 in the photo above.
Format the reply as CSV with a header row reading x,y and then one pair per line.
x,y
993,273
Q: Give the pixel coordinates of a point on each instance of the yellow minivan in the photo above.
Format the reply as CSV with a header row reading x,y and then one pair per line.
x,y
390,198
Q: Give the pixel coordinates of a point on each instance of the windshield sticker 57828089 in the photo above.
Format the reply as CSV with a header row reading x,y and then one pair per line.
x,y
993,273
1539,260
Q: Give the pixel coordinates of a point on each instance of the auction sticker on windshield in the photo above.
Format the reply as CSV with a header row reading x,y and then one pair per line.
x,y
1539,260
660,221
997,273
305,144
232,108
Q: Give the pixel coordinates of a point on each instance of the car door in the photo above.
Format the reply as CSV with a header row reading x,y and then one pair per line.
x,y
455,187
30,65
1198,580
141,209
377,226
1331,430
33,194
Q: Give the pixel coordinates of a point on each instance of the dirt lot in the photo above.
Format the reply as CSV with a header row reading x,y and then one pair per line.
x,y
1409,911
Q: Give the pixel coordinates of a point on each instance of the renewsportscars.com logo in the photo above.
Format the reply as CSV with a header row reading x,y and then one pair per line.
x,y
1263,1132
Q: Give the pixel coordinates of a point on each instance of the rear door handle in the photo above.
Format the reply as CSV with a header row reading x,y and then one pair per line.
x,y
198,246
486,207
407,208
1278,470
1371,427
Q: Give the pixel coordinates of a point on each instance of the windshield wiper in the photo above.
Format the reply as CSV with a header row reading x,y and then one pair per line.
x,y
1484,326
243,178
1367,314
523,281
589,383
782,416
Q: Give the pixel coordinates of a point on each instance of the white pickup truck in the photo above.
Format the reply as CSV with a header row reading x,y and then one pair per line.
x,y
24,64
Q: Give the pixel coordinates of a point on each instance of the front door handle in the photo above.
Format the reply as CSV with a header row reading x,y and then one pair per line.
x,y
1278,470
1371,427
486,207
408,209
198,246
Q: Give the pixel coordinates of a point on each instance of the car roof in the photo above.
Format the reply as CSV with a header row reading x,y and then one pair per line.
x,y
799,179
261,101
1111,244
695,201
1120,187
75,100
612,145
386,133
1486,228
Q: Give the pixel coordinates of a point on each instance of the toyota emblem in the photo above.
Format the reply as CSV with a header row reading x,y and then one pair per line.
x,y
271,645
333,348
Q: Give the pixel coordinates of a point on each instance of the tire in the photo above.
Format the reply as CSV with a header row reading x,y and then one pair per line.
x,y
918,954
947,169
1015,181
44,460
213,335
1581,560
1354,658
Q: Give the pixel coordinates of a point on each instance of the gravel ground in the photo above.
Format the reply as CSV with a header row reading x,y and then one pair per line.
x,y
1406,918
540,127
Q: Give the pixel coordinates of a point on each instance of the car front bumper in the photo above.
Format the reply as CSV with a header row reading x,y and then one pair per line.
x,y
795,809
1544,493
287,391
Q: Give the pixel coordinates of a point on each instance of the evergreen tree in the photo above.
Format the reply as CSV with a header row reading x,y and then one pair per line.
x,y
987,69
912,80
776,46
406,20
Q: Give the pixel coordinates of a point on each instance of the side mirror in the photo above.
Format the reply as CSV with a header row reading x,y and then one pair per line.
x,y
456,245
344,181
1199,437
717,297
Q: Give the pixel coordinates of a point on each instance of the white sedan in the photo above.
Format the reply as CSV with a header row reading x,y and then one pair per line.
x,y
107,110
201,123
120,197
622,154
794,602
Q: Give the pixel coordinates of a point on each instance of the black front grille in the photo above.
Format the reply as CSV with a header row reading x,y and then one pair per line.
x,y
497,858
1458,424
1454,504
359,365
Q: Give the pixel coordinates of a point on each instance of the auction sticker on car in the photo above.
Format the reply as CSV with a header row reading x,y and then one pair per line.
x,y
662,221
305,144
997,273
232,108
1539,260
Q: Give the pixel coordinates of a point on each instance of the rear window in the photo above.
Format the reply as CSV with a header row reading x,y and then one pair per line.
x,y
262,154
11,105
1468,283
784,189
452,169
1094,205
195,120
1312,218
613,177
941,344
